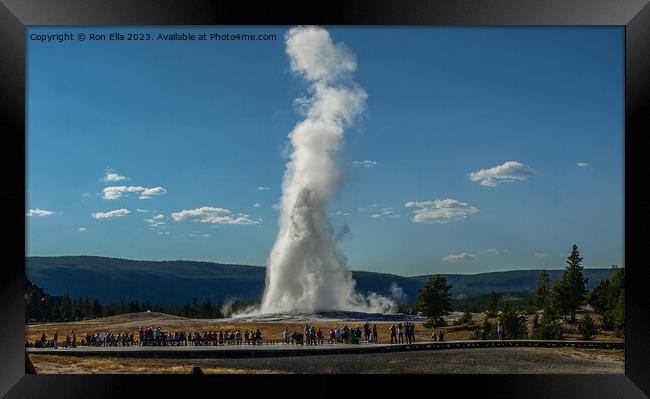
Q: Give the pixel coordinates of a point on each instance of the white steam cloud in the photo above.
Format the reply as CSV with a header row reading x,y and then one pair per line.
x,y
305,269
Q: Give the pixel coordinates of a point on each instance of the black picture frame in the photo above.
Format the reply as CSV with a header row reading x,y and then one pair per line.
x,y
16,15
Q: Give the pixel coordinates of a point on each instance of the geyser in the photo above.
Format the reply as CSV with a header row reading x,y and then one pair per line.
x,y
306,272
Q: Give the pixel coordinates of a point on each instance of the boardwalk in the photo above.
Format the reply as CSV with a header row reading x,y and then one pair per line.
x,y
277,349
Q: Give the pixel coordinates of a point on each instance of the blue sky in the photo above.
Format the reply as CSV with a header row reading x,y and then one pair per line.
x,y
205,124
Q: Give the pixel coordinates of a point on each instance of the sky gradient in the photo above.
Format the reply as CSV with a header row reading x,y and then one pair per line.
x,y
481,149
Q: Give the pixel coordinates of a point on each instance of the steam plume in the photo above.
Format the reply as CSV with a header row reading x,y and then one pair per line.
x,y
305,269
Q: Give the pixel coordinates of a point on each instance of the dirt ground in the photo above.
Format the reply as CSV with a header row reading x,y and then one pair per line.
x,y
464,361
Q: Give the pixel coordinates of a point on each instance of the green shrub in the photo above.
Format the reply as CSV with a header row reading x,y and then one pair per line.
x,y
587,328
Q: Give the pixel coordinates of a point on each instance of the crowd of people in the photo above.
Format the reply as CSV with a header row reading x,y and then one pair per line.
x,y
310,335
401,331
315,336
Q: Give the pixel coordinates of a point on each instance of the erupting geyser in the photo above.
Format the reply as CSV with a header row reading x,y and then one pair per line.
x,y
306,272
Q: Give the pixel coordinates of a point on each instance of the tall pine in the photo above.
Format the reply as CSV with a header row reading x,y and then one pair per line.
x,y
571,290
543,291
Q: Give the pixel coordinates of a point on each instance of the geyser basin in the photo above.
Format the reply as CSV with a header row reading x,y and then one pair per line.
x,y
324,316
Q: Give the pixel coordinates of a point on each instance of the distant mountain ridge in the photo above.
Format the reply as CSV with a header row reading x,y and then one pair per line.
x,y
172,283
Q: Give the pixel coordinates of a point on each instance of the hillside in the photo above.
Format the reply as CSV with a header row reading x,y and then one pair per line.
x,y
172,283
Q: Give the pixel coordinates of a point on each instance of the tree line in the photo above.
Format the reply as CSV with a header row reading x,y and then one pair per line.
x,y
552,302
41,307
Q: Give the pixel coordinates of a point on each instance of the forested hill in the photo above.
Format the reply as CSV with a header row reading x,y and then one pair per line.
x,y
172,283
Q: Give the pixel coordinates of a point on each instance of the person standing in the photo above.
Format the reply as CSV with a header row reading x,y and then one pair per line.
x,y
500,331
400,333
56,340
393,334
74,339
374,333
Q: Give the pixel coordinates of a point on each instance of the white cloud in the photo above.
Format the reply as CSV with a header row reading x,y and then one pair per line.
x,y
440,211
110,214
257,205
150,192
112,176
142,210
541,254
156,221
508,172
82,229
366,164
199,235
39,212
163,233
465,256
582,164
385,212
116,192
208,214
263,188
492,251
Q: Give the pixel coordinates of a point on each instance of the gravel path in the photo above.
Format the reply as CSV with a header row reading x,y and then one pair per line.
x,y
472,361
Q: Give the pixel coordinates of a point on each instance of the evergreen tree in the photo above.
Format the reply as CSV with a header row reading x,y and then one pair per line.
x,y
570,291
587,328
514,324
206,309
434,299
608,299
97,308
66,308
543,291
549,327
491,307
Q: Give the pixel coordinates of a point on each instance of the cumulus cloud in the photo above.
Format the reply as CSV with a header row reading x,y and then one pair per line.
x,y
492,251
150,192
110,214
263,188
156,221
209,214
582,164
365,164
116,192
440,211
39,212
541,254
82,229
257,205
465,256
508,172
113,176
385,212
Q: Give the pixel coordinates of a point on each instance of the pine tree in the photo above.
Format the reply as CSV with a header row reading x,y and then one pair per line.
x,y
549,327
543,291
570,291
492,306
514,324
587,328
97,308
434,299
